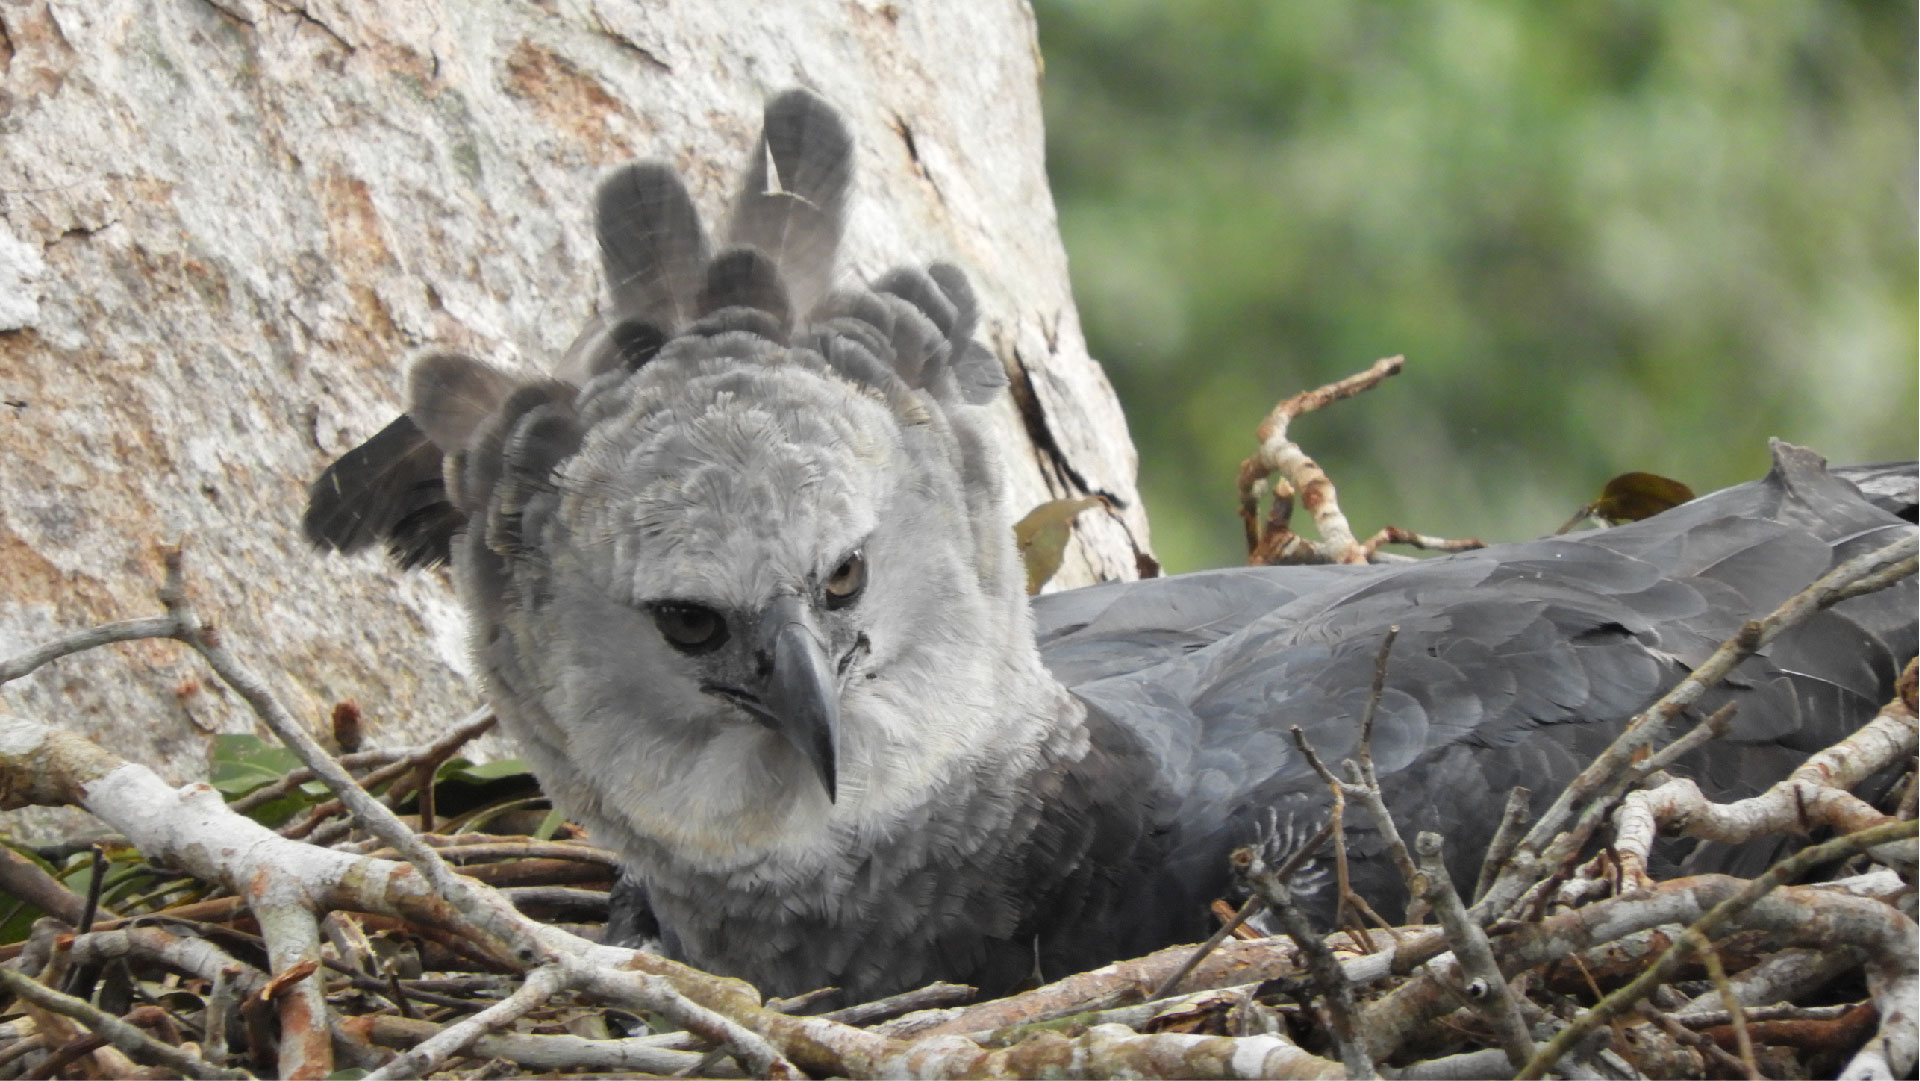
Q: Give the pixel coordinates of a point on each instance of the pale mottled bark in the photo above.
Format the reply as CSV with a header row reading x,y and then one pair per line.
x,y
225,224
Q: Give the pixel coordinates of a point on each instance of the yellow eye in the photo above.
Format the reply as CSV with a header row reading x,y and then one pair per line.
x,y
690,628
848,579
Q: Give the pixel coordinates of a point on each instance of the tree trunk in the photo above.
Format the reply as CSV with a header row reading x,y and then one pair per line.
x,y
225,225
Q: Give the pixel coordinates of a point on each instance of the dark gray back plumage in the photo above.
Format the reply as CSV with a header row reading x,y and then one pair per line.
x,y
1514,666
743,461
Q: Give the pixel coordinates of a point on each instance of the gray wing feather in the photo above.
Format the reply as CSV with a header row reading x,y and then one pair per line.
x,y
1514,665
386,490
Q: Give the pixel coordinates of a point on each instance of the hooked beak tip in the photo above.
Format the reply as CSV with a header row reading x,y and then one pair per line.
x,y
802,692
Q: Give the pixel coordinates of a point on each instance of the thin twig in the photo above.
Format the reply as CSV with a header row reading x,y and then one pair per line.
x,y
1513,820
22,878
931,997
1494,999
373,817
474,725
128,1038
73,1051
1363,784
1249,909
220,1001
1393,534
1713,727
431,1054
1699,937
1687,1037
1551,842
1343,912
127,630
1717,972
1334,987
267,793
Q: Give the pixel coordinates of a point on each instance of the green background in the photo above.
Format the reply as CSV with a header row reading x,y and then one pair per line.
x,y
1607,235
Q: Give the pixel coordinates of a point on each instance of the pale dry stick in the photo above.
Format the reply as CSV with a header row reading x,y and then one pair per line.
x,y
1551,841
932,996
157,945
1335,990
127,630
1789,975
1278,454
1513,820
1487,987
646,991
126,1037
470,848
1686,1037
1815,794
431,1055
1468,1066
1699,935
542,1053
1393,534
1713,727
1759,1015
372,815
349,941
220,1003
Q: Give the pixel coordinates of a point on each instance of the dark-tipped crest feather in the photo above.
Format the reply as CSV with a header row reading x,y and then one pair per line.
x,y
651,243
792,205
746,278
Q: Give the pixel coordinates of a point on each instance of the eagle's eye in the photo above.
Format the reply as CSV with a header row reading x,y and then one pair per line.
x,y
690,628
848,579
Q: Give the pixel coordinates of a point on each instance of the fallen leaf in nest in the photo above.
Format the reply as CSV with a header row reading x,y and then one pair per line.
x,y
1632,497
1043,534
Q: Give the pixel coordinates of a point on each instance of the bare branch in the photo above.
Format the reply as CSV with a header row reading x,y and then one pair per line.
x,y
428,1056
1699,935
1487,988
128,630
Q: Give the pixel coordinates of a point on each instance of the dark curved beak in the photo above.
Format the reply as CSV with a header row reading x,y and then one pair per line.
x,y
800,693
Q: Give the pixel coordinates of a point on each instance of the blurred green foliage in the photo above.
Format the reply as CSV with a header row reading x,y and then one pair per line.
x,y
1609,235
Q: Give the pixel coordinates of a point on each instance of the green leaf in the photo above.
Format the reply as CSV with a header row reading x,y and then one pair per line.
x,y
1043,534
240,762
482,773
478,819
550,825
